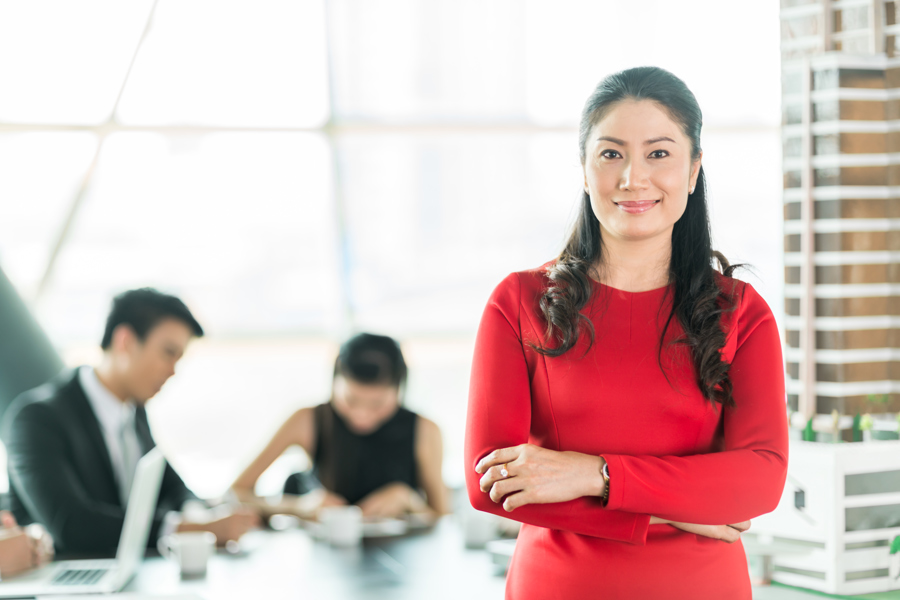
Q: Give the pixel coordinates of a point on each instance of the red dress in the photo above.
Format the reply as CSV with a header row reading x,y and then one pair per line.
x,y
670,452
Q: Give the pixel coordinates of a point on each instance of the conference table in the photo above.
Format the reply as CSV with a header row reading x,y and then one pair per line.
x,y
290,564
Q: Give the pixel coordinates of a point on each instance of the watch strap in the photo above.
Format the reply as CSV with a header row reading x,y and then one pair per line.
x,y
605,473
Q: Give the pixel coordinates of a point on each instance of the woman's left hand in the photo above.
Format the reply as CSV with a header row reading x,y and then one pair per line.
x,y
537,475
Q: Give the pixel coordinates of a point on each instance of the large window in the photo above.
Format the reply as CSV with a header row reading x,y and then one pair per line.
x,y
301,170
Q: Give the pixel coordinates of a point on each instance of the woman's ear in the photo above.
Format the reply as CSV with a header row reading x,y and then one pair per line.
x,y
695,170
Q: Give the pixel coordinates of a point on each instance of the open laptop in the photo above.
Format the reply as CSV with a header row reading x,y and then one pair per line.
x,y
104,575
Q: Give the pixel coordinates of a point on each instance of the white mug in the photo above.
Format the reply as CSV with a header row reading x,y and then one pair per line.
x,y
342,524
190,549
479,528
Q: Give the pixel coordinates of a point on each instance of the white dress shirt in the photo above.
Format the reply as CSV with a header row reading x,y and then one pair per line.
x,y
117,424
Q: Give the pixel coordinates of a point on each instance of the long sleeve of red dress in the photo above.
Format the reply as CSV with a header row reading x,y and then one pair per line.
x,y
671,453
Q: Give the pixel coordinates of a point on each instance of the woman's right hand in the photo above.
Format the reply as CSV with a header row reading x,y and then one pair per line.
x,y
726,533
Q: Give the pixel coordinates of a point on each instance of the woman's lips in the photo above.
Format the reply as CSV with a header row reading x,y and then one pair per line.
x,y
641,206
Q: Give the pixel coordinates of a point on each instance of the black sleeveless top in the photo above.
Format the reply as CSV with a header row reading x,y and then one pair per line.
x,y
355,465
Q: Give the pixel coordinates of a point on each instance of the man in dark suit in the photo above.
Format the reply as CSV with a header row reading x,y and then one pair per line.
x,y
74,442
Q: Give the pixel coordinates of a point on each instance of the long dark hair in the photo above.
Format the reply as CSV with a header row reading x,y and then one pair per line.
x,y
698,302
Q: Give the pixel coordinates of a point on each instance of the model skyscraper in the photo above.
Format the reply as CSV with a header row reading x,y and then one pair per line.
x,y
841,134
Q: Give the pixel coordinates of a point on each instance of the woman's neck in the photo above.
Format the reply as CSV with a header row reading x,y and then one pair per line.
x,y
635,265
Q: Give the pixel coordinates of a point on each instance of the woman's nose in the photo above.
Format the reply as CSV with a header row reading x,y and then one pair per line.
x,y
634,176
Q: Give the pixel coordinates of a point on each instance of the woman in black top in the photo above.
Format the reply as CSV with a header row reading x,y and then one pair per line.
x,y
366,448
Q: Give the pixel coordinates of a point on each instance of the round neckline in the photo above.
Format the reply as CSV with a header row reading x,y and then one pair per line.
x,y
370,433
627,293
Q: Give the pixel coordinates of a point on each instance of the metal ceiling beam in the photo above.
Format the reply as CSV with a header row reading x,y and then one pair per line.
x,y
78,200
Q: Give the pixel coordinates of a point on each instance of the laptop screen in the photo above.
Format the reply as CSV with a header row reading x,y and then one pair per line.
x,y
140,511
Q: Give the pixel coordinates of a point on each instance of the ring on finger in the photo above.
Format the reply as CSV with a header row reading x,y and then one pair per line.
x,y
504,472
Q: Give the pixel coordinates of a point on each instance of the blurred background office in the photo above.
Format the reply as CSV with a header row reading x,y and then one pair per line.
x,y
297,171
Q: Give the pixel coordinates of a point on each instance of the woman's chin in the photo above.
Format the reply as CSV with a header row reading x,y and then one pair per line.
x,y
638,232
362,430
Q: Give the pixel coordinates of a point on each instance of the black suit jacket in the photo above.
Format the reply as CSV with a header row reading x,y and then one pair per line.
x,y
60,473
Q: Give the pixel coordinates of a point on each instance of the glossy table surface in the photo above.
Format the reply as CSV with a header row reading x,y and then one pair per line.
x,y
281,565
290,564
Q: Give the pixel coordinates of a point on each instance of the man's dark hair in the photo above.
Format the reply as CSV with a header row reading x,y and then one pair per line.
x,y
142,310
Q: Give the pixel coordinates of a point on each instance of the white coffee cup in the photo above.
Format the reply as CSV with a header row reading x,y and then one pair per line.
x,y
190,549
343,525
479,528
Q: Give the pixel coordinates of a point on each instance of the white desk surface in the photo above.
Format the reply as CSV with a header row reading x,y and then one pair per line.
x,y
290,565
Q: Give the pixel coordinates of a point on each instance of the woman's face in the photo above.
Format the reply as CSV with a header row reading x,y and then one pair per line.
x,y
364,407
638,171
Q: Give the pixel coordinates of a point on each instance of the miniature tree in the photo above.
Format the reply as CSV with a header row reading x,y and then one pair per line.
x,y
809,435
857,428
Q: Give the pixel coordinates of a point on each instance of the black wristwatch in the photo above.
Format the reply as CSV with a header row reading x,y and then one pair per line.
x,y
605,472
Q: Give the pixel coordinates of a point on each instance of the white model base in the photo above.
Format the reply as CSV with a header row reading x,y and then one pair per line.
x,y
841,504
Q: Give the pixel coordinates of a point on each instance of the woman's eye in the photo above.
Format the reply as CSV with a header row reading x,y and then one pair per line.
x,y
659,154
609,154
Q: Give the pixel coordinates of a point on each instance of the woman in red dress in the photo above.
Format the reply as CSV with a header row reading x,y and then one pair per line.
x,y
627,399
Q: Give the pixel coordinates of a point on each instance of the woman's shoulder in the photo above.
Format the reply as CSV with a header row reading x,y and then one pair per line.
x,y
740,293
426,427
523,285
748,308
306,417
300,414
731,288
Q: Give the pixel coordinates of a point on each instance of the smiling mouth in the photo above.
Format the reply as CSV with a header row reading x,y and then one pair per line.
x,y
637,206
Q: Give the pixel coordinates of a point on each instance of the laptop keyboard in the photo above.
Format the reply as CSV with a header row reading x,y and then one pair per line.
x,y
79,576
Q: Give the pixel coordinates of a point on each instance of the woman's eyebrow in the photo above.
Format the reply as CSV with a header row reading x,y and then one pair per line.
x,y
647,143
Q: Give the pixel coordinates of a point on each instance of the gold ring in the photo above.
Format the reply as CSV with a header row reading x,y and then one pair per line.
x,y
503,471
